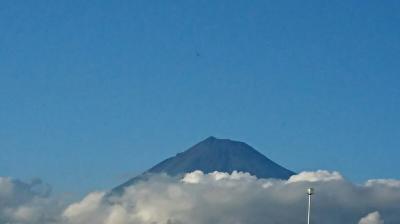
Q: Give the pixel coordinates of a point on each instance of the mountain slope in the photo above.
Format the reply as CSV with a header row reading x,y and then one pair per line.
x,y
214,154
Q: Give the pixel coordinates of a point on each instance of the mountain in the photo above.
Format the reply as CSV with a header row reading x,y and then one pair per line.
x,y
214,154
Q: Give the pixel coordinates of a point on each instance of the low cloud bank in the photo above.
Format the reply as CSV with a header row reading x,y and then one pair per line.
x,y
217,197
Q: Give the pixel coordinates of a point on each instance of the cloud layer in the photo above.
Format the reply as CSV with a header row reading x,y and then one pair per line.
x,y
217,197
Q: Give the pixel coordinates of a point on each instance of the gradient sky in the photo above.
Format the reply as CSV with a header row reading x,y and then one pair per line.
x,y
94,92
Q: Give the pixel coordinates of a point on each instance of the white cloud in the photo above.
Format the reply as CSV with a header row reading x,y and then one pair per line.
x,y
241,198
193,177
216,197
386,182
372,218
199,177
318,176
88,205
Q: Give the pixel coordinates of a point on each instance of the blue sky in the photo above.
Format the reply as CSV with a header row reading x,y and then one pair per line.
x,y
94,92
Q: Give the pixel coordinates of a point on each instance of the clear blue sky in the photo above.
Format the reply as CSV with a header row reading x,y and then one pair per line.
x,y
94,92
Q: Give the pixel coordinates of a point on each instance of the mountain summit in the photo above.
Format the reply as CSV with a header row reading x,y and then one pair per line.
x,y
214,154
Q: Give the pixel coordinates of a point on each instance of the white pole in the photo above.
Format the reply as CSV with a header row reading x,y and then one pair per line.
x,y
310,192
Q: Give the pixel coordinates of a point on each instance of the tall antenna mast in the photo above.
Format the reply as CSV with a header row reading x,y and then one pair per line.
x,y
310,191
